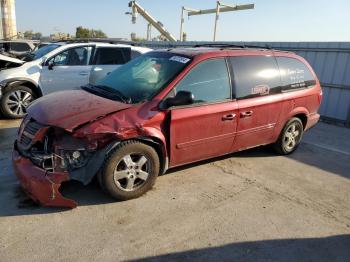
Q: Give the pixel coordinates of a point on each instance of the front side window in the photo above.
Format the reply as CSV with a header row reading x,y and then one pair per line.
x,y
143,77
208,81
255,76
112,56
73,57
294,74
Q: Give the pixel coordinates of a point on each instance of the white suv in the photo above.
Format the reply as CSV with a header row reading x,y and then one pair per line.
x,y
65,66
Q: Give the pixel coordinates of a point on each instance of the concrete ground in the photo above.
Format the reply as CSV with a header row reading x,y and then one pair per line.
x,y
252,206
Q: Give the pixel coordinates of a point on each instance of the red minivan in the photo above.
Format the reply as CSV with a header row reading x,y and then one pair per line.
x,y
164,109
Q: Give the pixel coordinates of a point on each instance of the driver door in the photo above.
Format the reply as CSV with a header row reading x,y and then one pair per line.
x,y
69,69
206,128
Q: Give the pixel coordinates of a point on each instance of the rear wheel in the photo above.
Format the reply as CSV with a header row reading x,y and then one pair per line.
x,y
130,170
290,137
15,101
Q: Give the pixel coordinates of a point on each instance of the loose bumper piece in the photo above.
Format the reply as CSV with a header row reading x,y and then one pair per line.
x,y
40,185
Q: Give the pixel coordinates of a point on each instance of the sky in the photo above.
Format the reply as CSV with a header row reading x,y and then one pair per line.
x,y
271,20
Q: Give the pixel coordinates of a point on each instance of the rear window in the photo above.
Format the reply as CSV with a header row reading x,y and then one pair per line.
x,y
112,56
255,76
294,74
20,47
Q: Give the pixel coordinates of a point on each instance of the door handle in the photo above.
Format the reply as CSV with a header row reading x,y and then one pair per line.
x,y
83,73
228,117
246,114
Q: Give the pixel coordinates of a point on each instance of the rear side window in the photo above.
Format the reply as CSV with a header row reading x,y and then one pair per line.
x,y
112,56
255,76
208,81
294,74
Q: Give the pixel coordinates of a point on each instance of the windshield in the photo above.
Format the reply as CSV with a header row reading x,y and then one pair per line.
x,y
142,78
43,51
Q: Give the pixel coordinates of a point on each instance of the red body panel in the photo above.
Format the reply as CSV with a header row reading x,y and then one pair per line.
x,y
70,109
202,132
257,120
39,185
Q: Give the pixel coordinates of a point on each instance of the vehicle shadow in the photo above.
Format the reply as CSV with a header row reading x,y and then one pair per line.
x,y
327,160
333,248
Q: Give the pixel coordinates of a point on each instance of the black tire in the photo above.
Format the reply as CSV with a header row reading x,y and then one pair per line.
x,y
14,101
285,145
117,176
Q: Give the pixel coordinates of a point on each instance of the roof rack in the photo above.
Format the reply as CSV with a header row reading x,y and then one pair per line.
x,y
96,40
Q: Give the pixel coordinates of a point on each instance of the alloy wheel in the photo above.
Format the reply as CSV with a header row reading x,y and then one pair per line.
x,y
18,101
292,136
131,172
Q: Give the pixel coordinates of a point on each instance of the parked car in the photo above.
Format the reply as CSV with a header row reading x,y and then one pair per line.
x,y
17,47
8,60
161,110
65,66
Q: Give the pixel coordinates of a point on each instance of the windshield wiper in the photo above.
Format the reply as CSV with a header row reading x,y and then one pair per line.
x,y
107,92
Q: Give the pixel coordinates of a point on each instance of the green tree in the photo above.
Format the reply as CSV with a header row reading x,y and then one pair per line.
x,y
37,36
82,32
29,34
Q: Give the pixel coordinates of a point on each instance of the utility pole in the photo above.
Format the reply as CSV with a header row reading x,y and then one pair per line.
x,y
220,8
216,18
183,10
8,19
149,32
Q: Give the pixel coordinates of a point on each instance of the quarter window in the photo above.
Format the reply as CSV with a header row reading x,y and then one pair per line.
x,y
294,74
208,81
255,76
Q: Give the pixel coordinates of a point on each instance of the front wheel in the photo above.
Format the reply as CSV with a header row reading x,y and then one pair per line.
x,y
130,170
290,137
15,101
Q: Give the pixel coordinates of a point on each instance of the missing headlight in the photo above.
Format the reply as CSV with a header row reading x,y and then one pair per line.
x,y
73,159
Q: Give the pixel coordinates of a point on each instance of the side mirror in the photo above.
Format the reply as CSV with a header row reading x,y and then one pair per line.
x,y
180,99
50,65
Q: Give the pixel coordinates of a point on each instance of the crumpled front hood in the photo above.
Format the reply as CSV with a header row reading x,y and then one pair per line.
x,y
11,59
70,109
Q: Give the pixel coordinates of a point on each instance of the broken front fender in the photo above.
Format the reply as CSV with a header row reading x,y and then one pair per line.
x,y
40,185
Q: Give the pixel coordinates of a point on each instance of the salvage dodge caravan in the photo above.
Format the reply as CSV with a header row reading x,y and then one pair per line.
x,y
164,109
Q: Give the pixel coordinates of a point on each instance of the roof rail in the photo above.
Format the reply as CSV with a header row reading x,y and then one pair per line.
x,y
219,45
261,47
233,45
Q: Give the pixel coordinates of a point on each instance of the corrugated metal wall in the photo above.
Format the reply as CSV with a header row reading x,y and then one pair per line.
x,y
330,60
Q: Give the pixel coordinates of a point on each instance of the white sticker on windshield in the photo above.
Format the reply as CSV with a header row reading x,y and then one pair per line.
x,y
180,59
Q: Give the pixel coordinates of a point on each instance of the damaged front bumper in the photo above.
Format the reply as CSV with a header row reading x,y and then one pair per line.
x,y
40,185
